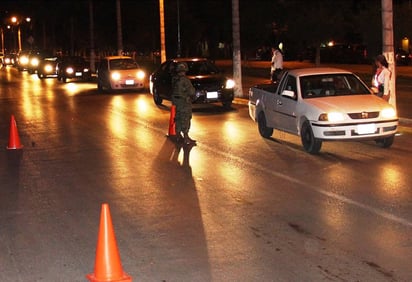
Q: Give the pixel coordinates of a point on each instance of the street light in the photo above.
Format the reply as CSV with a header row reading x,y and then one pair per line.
x,y
17,22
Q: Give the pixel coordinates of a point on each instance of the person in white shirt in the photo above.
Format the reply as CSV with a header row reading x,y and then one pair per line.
x,y
276,65
382,77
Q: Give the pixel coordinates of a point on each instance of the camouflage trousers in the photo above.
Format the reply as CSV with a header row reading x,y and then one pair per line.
x,y
183,116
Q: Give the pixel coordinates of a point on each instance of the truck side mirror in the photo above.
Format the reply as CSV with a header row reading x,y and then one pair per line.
x,y
289,93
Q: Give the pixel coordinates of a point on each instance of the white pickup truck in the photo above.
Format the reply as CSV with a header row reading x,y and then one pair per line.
x,y
322,104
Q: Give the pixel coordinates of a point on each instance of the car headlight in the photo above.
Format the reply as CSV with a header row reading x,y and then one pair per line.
x,y
86,70
115,76
140,74
69,70
24,60
332,117
48,68
34,62
388,113
230,83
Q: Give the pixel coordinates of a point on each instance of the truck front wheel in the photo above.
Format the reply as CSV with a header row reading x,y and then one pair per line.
x,y
385,142
264,131
311,144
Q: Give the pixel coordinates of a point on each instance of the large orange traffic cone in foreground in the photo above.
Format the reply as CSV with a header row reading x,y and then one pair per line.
x,y
172,124
14,139
107,266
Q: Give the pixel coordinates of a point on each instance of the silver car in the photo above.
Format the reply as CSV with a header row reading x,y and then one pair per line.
x,y
323,104
120,72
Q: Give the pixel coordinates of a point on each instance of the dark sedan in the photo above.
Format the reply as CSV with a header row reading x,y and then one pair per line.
x,y
73,67
210,83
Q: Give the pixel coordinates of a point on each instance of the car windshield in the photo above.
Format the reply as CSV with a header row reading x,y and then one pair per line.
x,y
314,86
123,64
74,60
201,68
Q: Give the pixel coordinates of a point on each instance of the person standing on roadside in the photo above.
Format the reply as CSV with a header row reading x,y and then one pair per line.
x,y
276,64
382,77
182,94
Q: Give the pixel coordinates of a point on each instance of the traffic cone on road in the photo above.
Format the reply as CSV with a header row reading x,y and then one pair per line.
x,y
172,124
14,139
107,265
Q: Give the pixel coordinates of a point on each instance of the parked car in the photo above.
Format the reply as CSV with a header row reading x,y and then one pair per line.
x,y
47,67
403,58
344,54
119,72
322,104
73,67
210,83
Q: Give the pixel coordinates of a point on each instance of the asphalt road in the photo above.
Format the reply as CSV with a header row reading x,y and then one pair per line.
x,y
236,207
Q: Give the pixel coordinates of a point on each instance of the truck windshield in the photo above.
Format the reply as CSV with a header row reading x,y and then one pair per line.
x,y
314,86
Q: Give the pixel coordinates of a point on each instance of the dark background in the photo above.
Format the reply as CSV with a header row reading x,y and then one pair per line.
x,y
299,25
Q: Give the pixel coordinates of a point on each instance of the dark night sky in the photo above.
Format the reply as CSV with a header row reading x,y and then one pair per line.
x,y
65,23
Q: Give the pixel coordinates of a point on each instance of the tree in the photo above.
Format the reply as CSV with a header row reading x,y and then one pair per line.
x,y
387,48
237,60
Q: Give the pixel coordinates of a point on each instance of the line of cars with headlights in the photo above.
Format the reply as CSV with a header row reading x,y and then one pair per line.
x,y
45,64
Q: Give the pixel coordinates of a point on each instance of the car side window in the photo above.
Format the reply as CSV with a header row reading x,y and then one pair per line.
x,y
103,65
290,85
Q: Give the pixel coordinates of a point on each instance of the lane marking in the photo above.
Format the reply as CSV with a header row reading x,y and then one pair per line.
x,y
346,200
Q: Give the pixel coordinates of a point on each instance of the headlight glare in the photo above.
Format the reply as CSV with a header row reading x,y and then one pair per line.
x,y
115,76
140,74
48,68
69,70
24,60
388,113
34,62
230,83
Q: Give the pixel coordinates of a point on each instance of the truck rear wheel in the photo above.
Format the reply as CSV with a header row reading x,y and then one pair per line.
x,y
264,131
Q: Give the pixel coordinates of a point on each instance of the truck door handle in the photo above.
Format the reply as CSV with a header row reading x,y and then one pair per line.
x,y
279,102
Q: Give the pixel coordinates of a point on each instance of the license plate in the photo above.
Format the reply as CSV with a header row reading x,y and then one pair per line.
x,y
130,82
366,128
78,74
211,95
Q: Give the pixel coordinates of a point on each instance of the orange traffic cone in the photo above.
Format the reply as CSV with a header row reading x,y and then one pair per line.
x,y
172,124
107,265
14,139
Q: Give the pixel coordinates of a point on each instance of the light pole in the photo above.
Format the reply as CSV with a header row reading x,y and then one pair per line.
x,y
179,47
17,22
2,40
162,32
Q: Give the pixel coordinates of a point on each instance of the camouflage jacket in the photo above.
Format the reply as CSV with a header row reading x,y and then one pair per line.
x,y
182,88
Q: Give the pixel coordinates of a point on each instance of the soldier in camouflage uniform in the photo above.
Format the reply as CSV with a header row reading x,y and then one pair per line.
x,y
182,94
